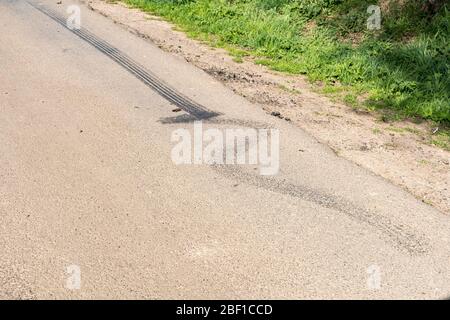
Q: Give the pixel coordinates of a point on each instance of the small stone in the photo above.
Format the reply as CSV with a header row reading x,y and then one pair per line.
x,y
176,110
364,148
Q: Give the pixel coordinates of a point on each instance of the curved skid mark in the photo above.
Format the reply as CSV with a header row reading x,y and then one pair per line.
x,y
401,236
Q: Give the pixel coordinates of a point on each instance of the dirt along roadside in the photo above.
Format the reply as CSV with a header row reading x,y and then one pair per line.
x,y
398,151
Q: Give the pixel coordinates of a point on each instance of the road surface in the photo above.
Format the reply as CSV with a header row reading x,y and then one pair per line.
x,y
92,204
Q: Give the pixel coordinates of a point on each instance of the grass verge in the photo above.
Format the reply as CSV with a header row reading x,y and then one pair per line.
x,y
402,68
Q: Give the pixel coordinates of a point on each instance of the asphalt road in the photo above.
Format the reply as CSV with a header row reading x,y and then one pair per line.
x,y
87,183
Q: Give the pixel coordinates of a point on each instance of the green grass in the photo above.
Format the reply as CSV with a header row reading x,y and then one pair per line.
x,y
402,68
442,140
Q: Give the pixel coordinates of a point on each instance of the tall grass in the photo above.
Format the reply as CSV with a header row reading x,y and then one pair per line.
x,y
404,67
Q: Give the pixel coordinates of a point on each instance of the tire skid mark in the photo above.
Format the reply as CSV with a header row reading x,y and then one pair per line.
x,y
147,77
401,236
220,121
